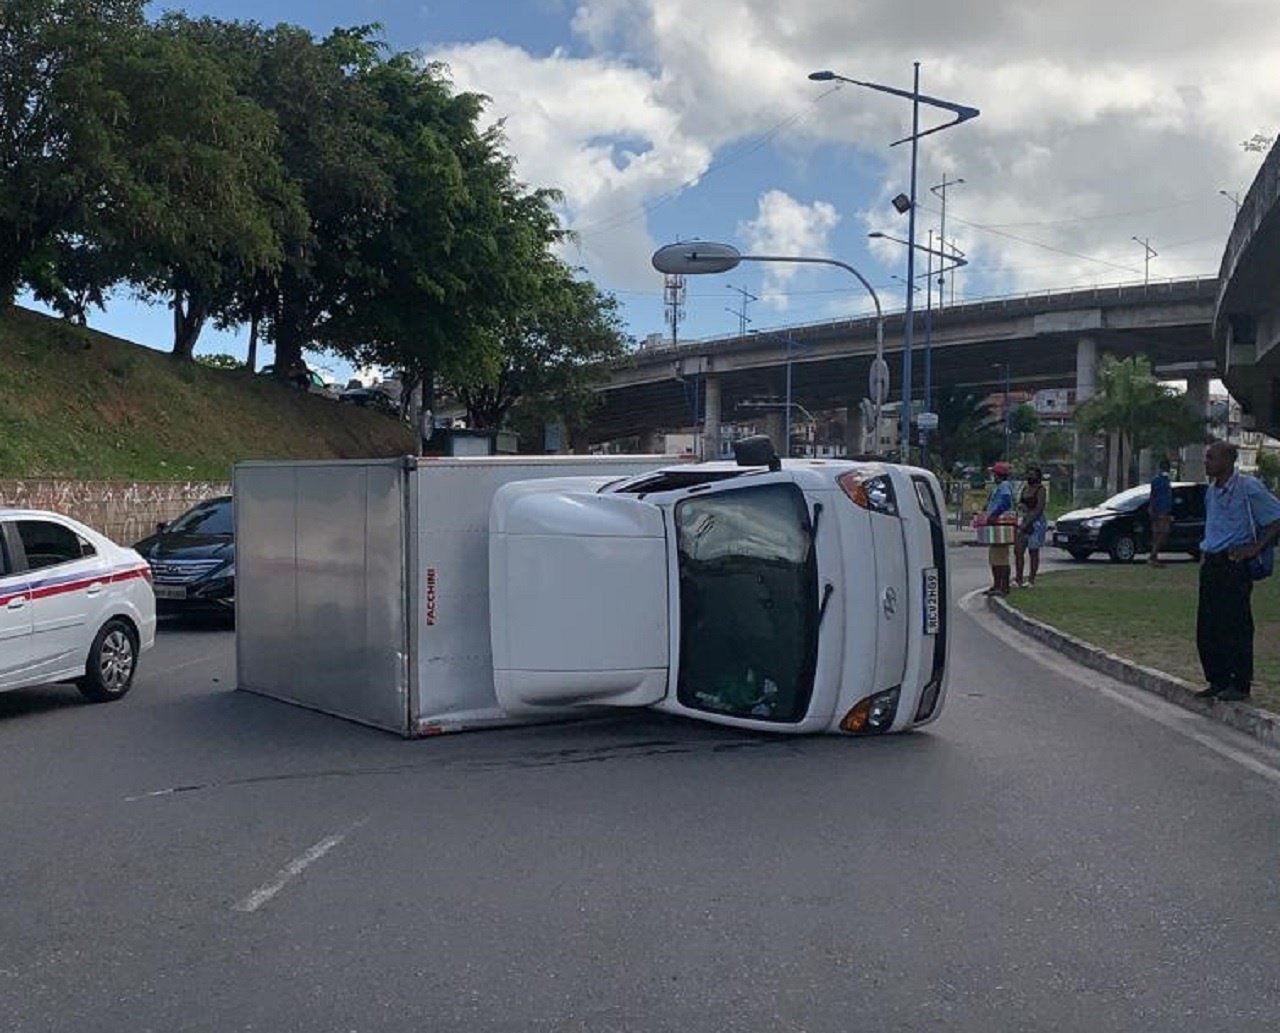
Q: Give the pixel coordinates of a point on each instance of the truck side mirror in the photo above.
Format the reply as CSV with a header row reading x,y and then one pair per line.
x,y
756,450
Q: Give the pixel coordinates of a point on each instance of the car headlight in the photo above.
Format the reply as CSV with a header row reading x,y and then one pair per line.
x,y
1094,523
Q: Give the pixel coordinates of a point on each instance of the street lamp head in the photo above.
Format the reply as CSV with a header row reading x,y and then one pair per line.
x,y
826,75
876,234
695,257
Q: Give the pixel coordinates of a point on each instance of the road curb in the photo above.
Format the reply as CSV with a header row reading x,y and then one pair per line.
x,y
1260,724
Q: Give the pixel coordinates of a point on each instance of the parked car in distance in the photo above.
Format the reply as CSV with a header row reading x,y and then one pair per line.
x,y
74,606
377,397
1121,526
305,379
193,560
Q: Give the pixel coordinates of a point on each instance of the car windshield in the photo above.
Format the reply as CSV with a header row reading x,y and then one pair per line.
x,y
211,518
1128,501
748,603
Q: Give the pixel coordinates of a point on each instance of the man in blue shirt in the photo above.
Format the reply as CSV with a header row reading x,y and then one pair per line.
x,y
1160,511
1241,519
1000,501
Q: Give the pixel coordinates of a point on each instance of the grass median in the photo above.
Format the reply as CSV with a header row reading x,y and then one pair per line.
x,y
1149,616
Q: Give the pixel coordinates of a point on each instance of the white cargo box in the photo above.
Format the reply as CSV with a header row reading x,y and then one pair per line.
x,y
362,587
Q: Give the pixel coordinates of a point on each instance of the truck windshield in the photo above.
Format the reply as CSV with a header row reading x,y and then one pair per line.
x,y
748,603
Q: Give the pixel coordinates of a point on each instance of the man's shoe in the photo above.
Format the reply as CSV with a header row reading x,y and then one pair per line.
x,y
1234,695
1212,692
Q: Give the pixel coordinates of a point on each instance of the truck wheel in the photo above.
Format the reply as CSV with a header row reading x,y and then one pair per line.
x,y
113,661
1123,549
1079,555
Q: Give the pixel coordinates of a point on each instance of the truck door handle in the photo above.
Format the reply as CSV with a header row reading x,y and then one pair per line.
x,y
94,589
18,603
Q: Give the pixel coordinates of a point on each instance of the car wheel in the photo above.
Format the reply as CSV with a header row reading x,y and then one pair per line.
x,y
1079,555
1123,549
113,661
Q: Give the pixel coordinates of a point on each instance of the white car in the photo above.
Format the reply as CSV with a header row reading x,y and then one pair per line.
x,y
74,606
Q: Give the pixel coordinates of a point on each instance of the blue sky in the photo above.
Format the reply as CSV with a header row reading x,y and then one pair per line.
x,y
663,120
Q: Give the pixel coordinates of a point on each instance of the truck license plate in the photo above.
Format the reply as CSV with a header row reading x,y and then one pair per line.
x,y
170,591
932,602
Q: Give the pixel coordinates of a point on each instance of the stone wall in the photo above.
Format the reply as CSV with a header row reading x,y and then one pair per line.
x,y
124,511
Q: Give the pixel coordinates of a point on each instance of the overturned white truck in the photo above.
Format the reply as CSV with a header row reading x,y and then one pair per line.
x,y
429,596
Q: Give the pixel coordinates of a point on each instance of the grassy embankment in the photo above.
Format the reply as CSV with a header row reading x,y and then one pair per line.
x,y
77,403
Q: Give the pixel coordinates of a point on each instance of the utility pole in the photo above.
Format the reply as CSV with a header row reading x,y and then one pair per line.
x,y
940,191
741,310
1150,254
673,298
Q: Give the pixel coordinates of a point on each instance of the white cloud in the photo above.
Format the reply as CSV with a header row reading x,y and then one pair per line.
x,y
785,226
1091,108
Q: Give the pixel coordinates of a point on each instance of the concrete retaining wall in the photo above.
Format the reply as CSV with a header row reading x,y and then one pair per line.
x,y
124,511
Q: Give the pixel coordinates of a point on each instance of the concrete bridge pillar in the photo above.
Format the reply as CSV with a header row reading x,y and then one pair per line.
x,y
711,419
855,430
775,425
1198,399
1086,478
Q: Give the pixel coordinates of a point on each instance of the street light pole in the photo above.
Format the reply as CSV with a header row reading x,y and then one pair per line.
x,y
940,190
703,257
1233,197
962,113
1005,406
1150,254
787,418
928,350
904,429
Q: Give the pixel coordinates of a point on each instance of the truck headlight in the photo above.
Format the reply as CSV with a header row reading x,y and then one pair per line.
x,y
870,492
873,714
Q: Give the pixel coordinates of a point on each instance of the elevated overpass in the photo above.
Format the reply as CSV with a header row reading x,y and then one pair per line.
x,y
1050,339
1247,320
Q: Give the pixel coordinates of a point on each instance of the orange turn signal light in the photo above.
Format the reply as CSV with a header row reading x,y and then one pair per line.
x,y
856,719
855,487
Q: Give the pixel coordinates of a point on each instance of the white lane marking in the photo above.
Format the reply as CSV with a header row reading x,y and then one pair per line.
x,y
292,870
180,667
1160,710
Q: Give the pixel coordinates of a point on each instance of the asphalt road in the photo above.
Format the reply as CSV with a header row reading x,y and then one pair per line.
x,y
1057,853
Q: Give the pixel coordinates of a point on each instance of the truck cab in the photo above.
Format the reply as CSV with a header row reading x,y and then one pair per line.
x,y
798,595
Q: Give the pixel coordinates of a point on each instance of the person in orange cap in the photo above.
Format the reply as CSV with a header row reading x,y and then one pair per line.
x,y
1001,501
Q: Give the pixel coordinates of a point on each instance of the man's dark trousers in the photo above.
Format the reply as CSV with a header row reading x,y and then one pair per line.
x,y
1224,622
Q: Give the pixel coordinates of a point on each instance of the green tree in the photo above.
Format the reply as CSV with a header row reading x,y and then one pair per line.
x,y
333,152
553,355
1269,468
1140,410
1024,419
967,429
206,180
438,278
59,126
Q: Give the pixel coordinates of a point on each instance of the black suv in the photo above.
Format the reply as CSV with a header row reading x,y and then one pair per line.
x,y
193,560
1121,528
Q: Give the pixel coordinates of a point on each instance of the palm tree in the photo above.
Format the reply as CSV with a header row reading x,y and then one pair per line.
x,y
967,429
1142,412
